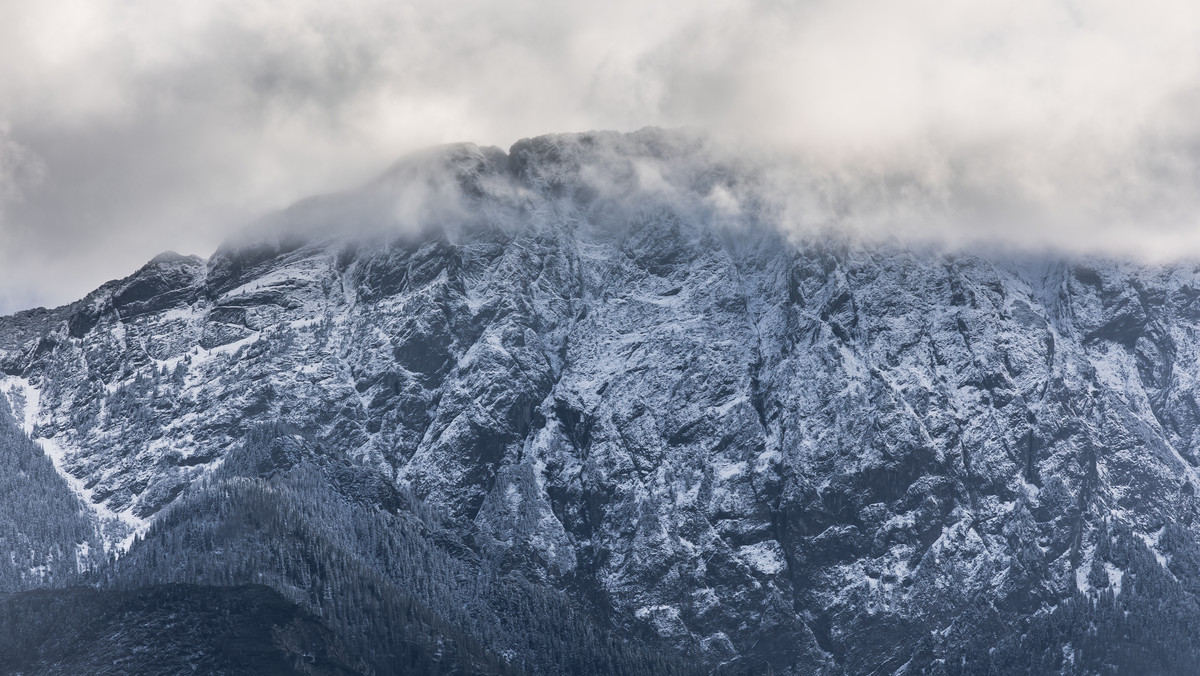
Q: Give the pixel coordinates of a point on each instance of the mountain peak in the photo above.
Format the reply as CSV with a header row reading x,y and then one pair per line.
x,y
574,369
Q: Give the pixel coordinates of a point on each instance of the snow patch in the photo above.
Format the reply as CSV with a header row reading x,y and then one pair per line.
x,y
1081,573
1115,576
664,619
766,557
726,471
1152,544
724,409
512,495
25,399
83,552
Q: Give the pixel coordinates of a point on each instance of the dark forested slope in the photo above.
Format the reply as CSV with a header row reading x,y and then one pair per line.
x,y
166,629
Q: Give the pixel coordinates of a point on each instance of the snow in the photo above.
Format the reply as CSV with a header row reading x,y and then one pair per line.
x,y
664,619
21,391
82,552
727,471
202,356
766,557
303,271
768,457
512,495
1081,573
23,399
724,409
682,347
1115,575
178,314
1152,543
1068,651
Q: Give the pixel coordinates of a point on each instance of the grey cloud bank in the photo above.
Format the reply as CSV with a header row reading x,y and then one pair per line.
x,y
127,128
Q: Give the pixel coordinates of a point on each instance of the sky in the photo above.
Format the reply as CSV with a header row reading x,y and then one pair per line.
x,y
132,127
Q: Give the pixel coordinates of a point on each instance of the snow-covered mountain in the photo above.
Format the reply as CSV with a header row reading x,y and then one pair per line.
x,y
615,370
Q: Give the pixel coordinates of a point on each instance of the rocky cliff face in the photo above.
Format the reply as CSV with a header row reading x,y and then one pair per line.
x,y
603,357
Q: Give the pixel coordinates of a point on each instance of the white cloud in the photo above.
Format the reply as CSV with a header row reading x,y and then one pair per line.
x,y
167,125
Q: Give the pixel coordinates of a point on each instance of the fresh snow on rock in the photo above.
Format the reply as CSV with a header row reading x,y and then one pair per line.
x,y
119,529
610,360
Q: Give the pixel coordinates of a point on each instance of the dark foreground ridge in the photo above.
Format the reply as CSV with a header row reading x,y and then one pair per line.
x,y
165,629
588,406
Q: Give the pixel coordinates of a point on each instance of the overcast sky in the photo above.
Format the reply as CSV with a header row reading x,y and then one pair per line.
x,y
130,127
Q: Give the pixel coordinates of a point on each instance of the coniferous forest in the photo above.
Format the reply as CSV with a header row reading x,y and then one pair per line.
x,y
289,561
313,564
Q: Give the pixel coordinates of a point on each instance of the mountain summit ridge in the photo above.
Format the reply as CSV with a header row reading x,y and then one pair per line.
x,y
603,359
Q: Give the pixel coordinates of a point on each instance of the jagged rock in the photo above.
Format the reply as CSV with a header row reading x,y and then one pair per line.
x,y
759,447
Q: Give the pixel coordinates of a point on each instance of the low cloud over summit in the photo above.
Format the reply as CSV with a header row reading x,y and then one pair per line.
x,y
129,128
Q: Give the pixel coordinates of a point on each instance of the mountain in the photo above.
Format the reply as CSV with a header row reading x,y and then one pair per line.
x,y
596,405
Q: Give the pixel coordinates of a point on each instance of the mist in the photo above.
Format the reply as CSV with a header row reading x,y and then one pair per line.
x,y
128,128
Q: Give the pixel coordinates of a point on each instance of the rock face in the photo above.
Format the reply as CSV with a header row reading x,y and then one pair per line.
x,y
601,355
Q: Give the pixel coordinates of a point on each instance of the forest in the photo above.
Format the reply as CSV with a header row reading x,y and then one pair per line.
x,y
399,592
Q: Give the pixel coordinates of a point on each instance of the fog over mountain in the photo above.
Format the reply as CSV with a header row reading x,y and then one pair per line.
x,y
807,338
131,128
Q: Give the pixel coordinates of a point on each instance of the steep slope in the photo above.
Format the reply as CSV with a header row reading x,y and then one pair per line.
x,y
46,535
603,357
400,589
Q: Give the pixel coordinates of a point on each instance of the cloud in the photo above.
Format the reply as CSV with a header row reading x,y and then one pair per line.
x,y
159,126
20,169
1071,124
